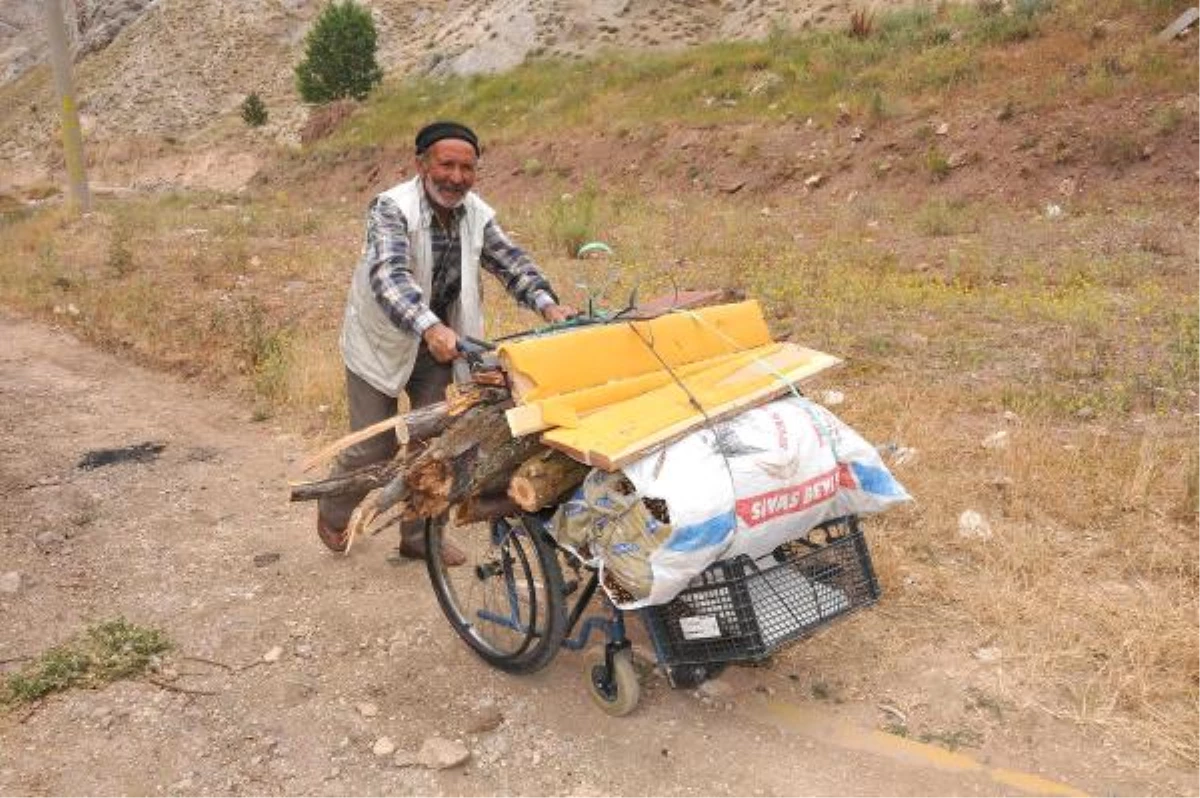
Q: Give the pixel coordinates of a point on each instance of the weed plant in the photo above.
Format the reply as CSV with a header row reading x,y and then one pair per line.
x,y
106,652
572,220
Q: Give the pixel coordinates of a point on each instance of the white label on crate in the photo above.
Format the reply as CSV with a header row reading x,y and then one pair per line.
x,y
699,627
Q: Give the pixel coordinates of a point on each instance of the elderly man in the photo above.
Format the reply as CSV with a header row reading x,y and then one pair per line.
x,y
415,290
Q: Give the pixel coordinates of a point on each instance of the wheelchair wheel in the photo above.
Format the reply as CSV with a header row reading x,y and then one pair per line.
x,y
615,691
507,601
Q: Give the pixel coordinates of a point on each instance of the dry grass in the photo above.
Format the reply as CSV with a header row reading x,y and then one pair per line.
x,y
213,287
862,23
958,318
1089,585
1086,358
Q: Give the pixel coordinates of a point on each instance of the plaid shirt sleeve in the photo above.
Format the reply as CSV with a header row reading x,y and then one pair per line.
x,y
513,267
392,282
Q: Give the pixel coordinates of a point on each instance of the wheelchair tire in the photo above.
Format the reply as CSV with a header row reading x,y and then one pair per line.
x,y
616,692
507,601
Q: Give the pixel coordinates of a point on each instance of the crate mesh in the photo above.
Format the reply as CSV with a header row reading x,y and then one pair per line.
x,y
744,609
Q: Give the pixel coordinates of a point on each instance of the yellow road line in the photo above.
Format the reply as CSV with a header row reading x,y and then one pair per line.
x,y
822,727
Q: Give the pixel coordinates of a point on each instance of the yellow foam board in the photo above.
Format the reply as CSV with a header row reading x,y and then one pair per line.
x,y
612,437
592,356
564,409
607,394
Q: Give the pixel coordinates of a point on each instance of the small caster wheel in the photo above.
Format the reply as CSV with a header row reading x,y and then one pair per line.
x,y
615,692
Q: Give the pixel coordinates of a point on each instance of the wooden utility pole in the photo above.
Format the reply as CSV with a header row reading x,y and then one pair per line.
x,y
72,138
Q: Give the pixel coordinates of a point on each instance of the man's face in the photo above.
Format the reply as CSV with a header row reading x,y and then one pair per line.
x,y
448,170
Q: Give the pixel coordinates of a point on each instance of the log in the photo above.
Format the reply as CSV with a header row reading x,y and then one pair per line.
x,y
545,478
420,425
427,422
360,480
484,508
417,425
475,456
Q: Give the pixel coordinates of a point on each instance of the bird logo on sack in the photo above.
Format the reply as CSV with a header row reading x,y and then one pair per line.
x,y
781,472
727,443
758,510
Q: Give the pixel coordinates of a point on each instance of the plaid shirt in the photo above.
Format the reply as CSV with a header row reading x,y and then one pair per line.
x,y
397,291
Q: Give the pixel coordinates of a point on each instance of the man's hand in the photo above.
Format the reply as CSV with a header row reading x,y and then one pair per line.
x,y
557,313
442,343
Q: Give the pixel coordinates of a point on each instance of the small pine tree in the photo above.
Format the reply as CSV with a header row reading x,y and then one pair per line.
x,y
254,111
339,59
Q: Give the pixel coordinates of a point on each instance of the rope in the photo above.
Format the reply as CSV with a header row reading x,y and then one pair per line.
x,y
708,422
819,423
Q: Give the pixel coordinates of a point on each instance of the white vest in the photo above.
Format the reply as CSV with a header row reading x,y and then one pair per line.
x,y
373,347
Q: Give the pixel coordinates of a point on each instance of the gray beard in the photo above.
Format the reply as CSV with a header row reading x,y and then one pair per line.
x,y
437,197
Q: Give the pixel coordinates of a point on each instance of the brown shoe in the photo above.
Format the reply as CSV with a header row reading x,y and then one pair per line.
x,y
335,539
414,549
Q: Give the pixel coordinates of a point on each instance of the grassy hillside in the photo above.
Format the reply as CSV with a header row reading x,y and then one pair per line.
x,y
901,63
990,215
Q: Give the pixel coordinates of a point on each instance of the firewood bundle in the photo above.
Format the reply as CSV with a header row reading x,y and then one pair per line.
x,y
524,433
460,454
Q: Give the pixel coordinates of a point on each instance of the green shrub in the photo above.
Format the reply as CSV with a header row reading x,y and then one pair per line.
x,y
1118,148
1018,26
937,164
254,111
339,58
876,110
108,651
1166,119
573,220
939,217
1184,347
120,252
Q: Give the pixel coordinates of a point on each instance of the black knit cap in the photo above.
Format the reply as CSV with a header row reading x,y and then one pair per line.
x,y
437,131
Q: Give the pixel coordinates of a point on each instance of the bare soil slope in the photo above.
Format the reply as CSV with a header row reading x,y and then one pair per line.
x,y
177,71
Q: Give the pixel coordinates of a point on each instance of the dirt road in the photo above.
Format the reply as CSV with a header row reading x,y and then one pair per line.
x,y
203,544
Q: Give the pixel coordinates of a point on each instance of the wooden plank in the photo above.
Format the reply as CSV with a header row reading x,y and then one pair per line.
x,y
396,422
1181,23
525,419
683,300
617,435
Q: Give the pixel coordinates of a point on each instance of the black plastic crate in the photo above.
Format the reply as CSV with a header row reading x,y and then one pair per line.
x,y
744,609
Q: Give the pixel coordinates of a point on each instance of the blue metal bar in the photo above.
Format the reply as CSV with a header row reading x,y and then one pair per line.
x,y
614,630
661,651
581,603
590,625
511,622
510,584
617,633
500,532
